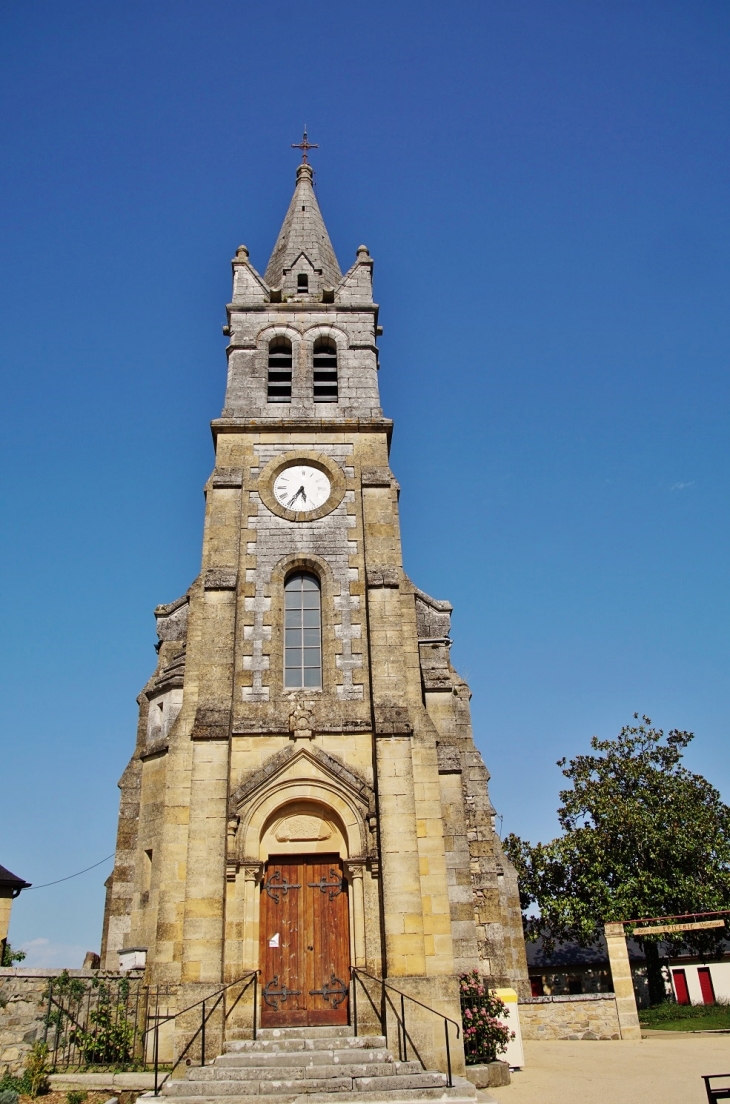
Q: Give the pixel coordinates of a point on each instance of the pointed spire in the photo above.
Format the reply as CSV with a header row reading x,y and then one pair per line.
x,y
303,231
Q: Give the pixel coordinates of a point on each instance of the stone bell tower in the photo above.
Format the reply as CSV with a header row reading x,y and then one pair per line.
x,y
305,794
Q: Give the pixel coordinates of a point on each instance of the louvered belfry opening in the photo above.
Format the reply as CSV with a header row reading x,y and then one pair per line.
x,y
325,370
279,381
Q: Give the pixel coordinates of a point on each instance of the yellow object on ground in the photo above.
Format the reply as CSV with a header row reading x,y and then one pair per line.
x,y
515,1054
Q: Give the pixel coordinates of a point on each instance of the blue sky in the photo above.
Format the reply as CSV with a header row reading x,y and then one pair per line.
x,y
544,188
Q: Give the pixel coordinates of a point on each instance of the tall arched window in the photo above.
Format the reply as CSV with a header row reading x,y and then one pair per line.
x,y
279,381
325,370
302,632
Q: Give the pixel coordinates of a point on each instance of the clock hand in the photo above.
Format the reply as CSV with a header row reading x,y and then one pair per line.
x,y
291,501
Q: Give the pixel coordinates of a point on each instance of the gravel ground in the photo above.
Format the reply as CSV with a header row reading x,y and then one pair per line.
x,y
663,1069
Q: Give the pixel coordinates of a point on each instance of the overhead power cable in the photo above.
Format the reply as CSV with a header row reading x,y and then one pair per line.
x,y
70,876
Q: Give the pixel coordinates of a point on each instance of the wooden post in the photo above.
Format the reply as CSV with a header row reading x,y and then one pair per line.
x,y
623,985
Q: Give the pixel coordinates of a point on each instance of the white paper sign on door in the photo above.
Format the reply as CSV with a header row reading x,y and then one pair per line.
x,y
274,941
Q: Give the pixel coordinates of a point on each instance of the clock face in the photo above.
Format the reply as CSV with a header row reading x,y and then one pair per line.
x,y
302,488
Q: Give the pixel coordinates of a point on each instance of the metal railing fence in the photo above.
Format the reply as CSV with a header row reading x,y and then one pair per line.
x,y
117,1023
398,1010
98,1021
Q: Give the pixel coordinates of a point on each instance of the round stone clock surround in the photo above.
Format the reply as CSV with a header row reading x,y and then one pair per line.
x,y
311,459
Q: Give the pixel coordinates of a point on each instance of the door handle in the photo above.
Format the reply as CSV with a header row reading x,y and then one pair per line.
x,y
310,948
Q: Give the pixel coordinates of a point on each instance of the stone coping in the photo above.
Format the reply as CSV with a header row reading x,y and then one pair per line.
x,y
566,998
103,1082
56,971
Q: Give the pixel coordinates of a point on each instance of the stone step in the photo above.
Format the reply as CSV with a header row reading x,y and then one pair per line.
x,y
423,1080
461,1093
182,1090
244,1096
306,1085
292,1043
295,1072
328,1031
250,1058
321,1065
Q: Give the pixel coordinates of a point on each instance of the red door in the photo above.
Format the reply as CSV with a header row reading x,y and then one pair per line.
x,y
706,986
680,986
305,942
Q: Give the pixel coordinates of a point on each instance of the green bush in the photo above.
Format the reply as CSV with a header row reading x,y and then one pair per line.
x,y
76,1096
10,957
34,1079
11,1084
8,1096
105,1034
36,1069
111,1038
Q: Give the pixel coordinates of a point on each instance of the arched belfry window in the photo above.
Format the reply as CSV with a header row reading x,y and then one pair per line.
x,y
279,381
302,631
325,370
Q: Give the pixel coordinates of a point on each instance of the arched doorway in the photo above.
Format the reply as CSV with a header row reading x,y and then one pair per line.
x,y
304,918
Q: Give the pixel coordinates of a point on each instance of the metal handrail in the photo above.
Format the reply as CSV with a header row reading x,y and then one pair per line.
x,y
403,1036
252,975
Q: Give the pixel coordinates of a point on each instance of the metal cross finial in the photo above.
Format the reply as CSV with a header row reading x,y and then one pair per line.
x,y
304,146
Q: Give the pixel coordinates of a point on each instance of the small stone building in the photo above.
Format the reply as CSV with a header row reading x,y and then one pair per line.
x,y
305,794
10,887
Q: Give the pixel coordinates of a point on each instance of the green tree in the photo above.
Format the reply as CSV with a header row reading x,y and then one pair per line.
x,y
642,836
10,956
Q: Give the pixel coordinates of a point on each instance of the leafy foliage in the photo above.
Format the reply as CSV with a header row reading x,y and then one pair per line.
x,y
10,957
484,1035
76,1096
72,989
110,1037
643,836
102,1029
11,1084
36,1069
34,1079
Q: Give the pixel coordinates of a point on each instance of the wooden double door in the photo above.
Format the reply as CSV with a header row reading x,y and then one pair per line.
x,y
305,942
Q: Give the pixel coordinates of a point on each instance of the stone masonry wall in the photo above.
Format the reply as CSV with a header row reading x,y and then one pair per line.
x,y
22,1012
331,538
583,1016
21,1016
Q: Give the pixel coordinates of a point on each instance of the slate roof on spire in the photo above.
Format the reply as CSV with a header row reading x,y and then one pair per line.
x,y
303,231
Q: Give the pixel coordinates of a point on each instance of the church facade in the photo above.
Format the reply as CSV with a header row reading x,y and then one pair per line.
x,y
305,794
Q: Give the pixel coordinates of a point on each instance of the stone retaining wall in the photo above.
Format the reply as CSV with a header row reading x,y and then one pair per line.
x,y
23,1010
579,1016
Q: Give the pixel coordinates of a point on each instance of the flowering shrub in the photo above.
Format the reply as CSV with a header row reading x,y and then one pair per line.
x,y
485,1037
109,1037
